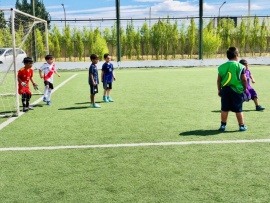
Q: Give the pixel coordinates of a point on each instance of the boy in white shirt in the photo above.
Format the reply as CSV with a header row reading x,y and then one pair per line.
x,y
46,72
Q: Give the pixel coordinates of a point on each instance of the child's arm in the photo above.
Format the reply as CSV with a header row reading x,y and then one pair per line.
x,y
57,73
40,73
252,79
102,74
219,84
92,78
114,78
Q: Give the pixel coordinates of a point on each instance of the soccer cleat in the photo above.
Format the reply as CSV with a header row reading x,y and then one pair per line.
x,y
222,128
105,99
109,99
30,108
95,105
242,128
259,108
49,103
44,99
25,109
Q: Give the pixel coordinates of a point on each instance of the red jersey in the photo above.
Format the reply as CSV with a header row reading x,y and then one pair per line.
x,y
25,75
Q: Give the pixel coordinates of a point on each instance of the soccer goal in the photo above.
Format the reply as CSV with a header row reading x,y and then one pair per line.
x,y
21,35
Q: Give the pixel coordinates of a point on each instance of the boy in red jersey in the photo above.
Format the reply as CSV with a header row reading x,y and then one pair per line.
x,y
24,75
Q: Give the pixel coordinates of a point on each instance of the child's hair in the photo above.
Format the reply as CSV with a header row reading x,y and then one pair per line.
x,y
27,60
106,55
48,57
243,62
232,52
93,56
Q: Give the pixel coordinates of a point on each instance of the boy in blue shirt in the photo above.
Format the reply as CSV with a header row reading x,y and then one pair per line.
x,y
93,80
107,77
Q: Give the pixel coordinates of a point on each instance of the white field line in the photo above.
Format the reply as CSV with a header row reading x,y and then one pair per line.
x,y
10,120
134,145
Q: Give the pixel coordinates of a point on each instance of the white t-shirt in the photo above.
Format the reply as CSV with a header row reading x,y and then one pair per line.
x,y
48,71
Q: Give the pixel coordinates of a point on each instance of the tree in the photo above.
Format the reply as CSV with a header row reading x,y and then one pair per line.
x,y
137,44
262,38
100,46
40,10
211,41
54,39
191,37
182,40
254,33
156,37
3,23
174,39
145,39
242,36
130,35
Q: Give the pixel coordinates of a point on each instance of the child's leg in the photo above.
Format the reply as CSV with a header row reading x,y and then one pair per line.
x,y
45,91
24,100
28,97
49,94
240,118
92,98
256,101
224,116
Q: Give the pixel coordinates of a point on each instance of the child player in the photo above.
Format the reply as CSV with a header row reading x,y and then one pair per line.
x,y
107,77
24,75
231,83
93,80
251,93
49,69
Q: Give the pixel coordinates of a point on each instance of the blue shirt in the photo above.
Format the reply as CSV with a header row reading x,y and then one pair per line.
x,y
94,71
107,69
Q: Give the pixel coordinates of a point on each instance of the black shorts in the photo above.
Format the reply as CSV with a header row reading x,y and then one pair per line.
x,y
49,84
231,100
107,85
93,89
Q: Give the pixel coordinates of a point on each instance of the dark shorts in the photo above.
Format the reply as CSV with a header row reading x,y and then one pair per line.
x,y
107,85
93,89
49,84
231,100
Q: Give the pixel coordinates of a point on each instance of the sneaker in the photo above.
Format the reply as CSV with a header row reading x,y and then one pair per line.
x,y
30,108
259,108
95,105
25,109
222,128
105,99
49,103
242,128
44,99
109,99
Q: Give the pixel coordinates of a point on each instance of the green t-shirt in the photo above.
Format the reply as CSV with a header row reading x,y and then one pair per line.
x,y
230,73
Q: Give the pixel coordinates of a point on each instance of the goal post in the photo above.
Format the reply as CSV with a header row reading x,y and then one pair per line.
x,y
16,42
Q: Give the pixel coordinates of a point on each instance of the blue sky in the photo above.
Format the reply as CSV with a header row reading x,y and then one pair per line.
x,y
141,8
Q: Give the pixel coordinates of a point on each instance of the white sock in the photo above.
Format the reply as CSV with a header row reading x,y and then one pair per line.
x,y
49,95
45,91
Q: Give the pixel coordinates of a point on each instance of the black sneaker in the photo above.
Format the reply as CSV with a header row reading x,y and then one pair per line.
x,y
25,109
259,108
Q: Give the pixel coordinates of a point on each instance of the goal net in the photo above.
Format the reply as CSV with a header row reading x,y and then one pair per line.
x,y
21,35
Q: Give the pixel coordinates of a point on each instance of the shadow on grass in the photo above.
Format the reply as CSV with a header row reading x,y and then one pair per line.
x,y
204,132
218,111
200,132
75,107
88,102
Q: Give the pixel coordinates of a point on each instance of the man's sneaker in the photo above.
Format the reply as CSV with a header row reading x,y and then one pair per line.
x,y
242,128
109,99
95,105
222,128
44,99
259,108
25,109
105,99
49,103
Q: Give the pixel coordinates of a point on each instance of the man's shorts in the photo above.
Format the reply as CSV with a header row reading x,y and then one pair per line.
x,y
93,89
231,100
107,85
49,84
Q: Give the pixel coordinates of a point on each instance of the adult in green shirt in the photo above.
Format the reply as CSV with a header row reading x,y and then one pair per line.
x,y
231,83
